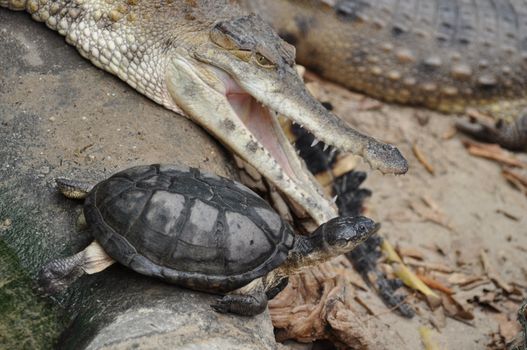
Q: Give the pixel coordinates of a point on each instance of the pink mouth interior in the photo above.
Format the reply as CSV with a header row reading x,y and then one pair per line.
x,y
258,120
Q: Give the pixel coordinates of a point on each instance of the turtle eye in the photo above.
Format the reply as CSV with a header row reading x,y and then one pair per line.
x,y
263,61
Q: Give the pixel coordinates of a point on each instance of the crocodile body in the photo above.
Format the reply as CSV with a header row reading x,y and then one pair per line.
x,y
446,55
224,69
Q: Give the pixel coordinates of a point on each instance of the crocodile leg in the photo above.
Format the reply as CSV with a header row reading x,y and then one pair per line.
x,y
512,135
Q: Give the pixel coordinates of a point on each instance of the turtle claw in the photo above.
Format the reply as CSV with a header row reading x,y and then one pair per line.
x,y
221,306
244,305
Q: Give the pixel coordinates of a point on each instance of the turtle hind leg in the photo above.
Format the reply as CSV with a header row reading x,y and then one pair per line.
x,y
59,274
73,189
246,301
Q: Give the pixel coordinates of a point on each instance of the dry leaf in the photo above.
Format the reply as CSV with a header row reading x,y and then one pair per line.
x,y
407,276
455,308
438,318
508,329
493,274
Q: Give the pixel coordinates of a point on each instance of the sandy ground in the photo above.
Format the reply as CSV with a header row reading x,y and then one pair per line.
x,y
480,212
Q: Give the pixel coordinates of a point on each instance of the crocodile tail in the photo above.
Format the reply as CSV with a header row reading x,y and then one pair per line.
x,y
16,5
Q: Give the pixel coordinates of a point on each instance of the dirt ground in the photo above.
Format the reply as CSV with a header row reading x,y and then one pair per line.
x,y
463,211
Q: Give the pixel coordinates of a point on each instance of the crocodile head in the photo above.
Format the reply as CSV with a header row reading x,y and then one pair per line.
x,y
240,78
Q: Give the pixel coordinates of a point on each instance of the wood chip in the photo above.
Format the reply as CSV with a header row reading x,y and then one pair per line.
x,y
493,152
410,252
422,159
476,284
430,214
430,266
462,279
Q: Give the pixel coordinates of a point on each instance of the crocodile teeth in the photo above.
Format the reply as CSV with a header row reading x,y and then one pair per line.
x,y
315,142
325,147
334,199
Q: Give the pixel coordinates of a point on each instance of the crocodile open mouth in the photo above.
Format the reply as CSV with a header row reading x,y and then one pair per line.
x,y
263,124
239,107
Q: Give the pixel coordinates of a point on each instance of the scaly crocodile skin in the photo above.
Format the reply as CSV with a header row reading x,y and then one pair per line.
x,y
443,54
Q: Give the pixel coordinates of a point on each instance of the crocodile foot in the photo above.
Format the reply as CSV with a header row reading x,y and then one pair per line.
x,y
512,135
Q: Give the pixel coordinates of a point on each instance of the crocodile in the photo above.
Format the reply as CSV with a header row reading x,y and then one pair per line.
x,y
226,70
447,55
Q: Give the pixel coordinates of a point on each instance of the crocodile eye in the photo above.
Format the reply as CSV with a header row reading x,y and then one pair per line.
x,y
263,61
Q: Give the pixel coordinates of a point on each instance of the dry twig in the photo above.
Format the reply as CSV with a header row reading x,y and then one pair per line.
x,y
422,159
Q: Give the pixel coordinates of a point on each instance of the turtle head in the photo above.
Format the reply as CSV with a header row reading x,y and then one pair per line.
x,y
337,236
342,234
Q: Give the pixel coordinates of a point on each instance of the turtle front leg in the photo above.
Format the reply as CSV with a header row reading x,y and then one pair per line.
x,y
246,301
57,275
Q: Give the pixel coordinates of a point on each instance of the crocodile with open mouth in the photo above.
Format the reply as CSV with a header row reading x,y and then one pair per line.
x,y
447,55
224,69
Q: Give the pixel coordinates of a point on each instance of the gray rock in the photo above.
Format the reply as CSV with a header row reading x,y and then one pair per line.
x,y
60,116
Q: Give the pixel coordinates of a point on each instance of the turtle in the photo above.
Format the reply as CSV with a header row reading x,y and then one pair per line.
x,y
196,230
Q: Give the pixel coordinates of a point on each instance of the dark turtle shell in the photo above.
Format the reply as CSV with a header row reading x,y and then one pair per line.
x,y
187,227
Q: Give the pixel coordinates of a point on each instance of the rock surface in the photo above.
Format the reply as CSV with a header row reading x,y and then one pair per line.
x,y
60,116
